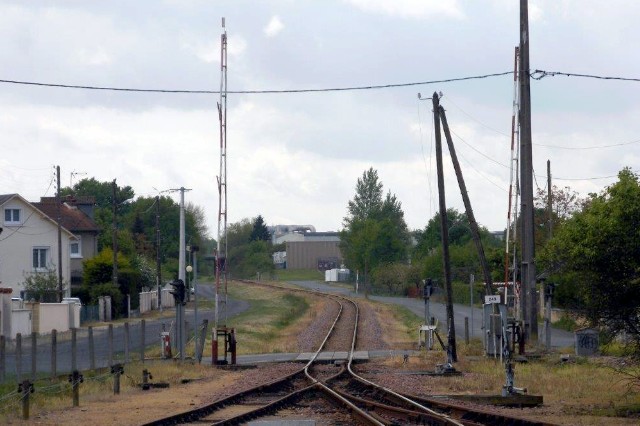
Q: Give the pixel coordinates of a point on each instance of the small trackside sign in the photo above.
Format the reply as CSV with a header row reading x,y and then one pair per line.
x,y
492,299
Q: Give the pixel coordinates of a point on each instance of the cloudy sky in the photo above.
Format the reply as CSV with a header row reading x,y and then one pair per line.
x,y
295,158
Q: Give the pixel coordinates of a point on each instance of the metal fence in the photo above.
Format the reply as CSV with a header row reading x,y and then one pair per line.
x,y
89,313
39,356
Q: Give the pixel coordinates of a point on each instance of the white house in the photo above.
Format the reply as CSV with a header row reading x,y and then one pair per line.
x,y
29,243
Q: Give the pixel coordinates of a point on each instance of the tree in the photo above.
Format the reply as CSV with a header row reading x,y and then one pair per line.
x,y
463,254
459,232
393,277
375,231
260,231
367,201
597,251
248,256
565,202
42,286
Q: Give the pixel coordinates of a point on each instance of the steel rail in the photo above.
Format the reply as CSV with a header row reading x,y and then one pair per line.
x,y
447,420
200,412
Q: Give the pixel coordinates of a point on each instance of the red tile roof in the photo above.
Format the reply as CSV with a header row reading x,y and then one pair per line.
x,y
71,217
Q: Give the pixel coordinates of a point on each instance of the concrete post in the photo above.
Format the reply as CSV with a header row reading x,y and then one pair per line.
x,y
74,349
466,330
19,356
34,354
142,335
25,388
92,352
110,344
54,353
126,342
3,358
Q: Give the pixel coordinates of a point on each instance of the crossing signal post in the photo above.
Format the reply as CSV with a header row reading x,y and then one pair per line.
x,y
179,294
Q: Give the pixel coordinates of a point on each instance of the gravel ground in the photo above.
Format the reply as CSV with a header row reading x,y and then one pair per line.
x,y
370,332
398,380
325,311
342,336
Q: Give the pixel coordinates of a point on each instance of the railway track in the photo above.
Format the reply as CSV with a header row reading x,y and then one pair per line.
x,y
334,393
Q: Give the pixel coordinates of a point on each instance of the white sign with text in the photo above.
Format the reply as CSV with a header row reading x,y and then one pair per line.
x,y
492,299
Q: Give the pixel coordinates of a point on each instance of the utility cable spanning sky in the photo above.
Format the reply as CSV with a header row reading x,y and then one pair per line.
x,y
537,75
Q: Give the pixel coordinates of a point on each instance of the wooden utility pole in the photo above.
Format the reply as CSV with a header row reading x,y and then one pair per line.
x,y
444,231
548,285
528,294
475,233
59,219
549,199
114,240
158,268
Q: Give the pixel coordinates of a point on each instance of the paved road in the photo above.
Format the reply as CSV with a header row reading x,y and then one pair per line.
x,y
559,338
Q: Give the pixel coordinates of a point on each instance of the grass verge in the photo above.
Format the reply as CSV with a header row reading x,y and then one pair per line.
x,y
298,275
272,320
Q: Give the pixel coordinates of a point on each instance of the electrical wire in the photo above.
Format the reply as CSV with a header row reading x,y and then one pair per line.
x,y
252,92
478,151
587,178
536,75
475,119
540,74
589,147
480,173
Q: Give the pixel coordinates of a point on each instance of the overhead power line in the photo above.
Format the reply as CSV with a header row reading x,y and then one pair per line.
x,y
537,75
589,147
180,91
540,74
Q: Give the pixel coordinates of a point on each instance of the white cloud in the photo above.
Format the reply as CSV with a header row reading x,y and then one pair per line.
x,y
274,27
94,57
416,9
208,50
535,12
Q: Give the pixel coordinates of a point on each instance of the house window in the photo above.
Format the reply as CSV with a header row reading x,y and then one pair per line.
x,y
40,256
12,216
75,249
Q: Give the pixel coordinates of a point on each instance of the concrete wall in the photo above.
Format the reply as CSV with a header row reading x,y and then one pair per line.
x,y
148,301
305,254
5,312
55,316
74,314
168,300
20,322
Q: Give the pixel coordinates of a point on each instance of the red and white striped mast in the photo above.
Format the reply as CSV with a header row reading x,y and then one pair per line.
x,y
221,252
512,216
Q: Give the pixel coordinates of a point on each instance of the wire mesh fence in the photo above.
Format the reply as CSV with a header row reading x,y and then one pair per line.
x,y
36,356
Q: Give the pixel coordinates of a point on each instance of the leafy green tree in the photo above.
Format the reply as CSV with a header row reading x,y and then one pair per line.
x,y
43,286
375,231
431,237
392,277
99,269
260,231
247,256
367,201
463,254
597,251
